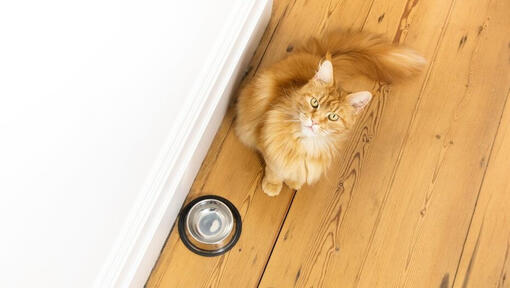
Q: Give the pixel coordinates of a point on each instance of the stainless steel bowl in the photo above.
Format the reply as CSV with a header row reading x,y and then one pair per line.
x,y
209,225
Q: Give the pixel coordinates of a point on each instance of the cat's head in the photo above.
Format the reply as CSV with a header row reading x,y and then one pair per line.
x,y
322,110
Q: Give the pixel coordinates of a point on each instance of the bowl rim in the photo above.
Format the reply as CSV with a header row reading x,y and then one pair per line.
x,y
209,253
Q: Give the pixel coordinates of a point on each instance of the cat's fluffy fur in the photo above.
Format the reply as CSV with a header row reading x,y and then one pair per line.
x,y
295,112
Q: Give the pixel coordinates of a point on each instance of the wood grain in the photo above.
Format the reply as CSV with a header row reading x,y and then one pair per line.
x,y
436,183
406,203
485,260
396,208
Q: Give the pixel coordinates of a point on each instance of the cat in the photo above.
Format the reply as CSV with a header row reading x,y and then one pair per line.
x,y
295,112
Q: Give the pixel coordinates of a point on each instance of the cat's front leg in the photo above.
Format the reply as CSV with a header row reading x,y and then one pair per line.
x,y
272,182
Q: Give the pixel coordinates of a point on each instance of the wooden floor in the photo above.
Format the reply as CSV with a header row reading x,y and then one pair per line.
x,y
421,195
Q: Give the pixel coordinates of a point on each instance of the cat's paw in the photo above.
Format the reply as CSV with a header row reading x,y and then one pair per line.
x,y
271,189
294,185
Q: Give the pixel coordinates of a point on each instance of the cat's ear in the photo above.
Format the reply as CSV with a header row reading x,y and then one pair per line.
x,y
359,100
325,72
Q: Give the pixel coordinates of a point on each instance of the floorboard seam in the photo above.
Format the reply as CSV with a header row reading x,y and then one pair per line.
x,y
277,237
489,159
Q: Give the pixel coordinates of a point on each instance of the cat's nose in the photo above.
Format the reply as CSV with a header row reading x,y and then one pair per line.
x,y
314,122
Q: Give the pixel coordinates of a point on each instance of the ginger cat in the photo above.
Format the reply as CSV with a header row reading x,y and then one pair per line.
x,y
296,114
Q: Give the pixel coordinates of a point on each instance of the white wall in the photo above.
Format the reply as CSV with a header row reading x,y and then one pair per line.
x,y
90,94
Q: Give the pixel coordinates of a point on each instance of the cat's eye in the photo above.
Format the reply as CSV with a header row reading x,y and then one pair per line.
x,y
314,102
333,116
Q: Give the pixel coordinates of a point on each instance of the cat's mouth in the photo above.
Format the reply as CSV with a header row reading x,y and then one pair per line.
x,y
309,130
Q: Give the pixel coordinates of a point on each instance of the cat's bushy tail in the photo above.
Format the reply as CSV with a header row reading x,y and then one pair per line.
x,y
368,54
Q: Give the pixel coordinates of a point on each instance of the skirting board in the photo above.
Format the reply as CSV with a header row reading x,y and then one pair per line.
x,y
136,251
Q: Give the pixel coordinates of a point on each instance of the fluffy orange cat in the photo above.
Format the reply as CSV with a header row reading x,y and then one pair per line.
x,y
295,112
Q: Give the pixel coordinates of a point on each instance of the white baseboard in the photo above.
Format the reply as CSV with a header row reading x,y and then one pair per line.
x,y
144,234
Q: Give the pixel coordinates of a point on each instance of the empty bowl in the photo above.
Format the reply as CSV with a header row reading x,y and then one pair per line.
x,y
209,225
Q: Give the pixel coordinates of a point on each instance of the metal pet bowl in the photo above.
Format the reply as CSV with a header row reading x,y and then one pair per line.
x,y
209,225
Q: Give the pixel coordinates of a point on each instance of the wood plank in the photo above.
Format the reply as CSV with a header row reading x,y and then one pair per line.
x,y
379,219
485,261
421,234
234,172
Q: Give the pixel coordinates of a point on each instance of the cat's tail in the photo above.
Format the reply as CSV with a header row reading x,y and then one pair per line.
x,y
368,54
